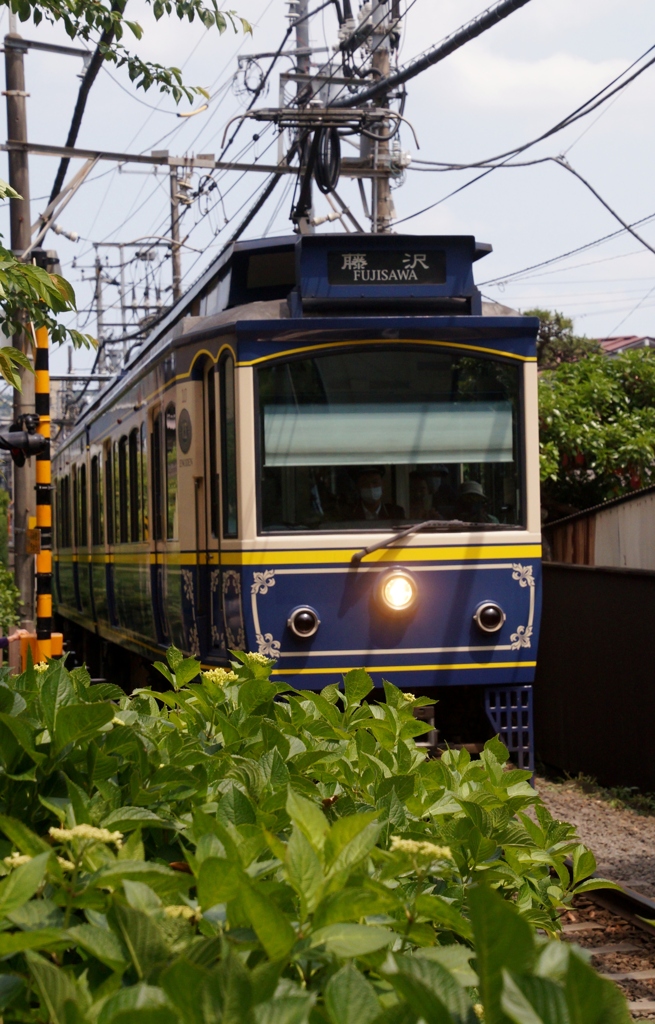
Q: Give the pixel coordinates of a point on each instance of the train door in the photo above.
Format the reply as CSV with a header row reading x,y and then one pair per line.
x,y
158,530
210,575
110,525
223,581
76,535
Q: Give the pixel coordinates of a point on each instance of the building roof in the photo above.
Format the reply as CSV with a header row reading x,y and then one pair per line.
x,y
613,346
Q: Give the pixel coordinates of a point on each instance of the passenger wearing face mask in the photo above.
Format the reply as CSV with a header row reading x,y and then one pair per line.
x,y
369,504
444,498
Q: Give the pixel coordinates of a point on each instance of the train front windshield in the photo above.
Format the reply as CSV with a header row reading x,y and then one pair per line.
x,y
379,437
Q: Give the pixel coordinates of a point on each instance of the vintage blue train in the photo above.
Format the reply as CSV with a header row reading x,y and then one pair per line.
x,y
327,454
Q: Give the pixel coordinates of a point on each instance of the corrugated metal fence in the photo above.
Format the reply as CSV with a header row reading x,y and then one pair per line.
x,y
595,686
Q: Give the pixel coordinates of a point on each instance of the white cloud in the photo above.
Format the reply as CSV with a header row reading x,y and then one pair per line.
x,y
486,80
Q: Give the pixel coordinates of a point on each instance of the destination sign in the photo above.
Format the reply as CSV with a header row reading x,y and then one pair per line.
x,y
386,267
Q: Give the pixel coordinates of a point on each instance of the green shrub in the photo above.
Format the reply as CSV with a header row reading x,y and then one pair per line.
x,y
236,850
9,600
4,526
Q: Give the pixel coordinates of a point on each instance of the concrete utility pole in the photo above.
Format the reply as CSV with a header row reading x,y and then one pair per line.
x,y
20,220
383,212
175,235
100,327
299,9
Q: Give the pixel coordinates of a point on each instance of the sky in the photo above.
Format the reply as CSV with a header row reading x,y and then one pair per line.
x,y
498,92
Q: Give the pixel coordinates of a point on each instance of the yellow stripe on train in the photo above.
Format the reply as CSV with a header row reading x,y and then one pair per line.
x,y
336,556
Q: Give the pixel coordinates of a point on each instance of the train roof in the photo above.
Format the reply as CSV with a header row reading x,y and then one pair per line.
x,y
354,275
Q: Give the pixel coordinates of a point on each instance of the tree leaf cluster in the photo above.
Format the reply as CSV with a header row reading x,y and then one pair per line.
x,y
597,429
98,20
556,342
233,849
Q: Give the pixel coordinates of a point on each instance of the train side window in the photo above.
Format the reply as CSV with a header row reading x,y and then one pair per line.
x,y
96,501
56,513
143,479
212,427
84,527
56,494
110,495
69,513
134,485
157,523
229,449
123,490
76,511
171,472
63,512
61,521
117,495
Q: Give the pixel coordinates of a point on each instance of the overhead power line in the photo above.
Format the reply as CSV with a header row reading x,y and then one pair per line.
x,y
504,159
565,255
463,35
89,78
627,227
583,110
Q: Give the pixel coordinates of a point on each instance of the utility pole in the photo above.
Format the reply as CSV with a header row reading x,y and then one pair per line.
x,y
175,235
121,250
100,327
383,212
304,58
299,10
20,235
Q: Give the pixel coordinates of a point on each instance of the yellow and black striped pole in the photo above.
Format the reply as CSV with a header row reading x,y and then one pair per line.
x,y
43,499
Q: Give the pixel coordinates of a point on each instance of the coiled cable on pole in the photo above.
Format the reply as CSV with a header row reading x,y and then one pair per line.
x,y
328,160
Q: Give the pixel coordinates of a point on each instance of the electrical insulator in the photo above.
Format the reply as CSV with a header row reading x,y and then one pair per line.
x,y
184,185
72,235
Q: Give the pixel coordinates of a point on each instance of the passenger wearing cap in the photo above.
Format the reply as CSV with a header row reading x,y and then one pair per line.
x,y
370,504
472,504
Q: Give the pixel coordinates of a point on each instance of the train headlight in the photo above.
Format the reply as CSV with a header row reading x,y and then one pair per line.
x,y
489,617
303,622
397,591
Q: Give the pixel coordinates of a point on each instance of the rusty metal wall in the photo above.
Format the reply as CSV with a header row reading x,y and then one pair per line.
x,y
620,535
625,534
595,685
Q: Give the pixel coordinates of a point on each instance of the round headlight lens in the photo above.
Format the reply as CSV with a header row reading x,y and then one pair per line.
x,y
304,622
398,591
489,617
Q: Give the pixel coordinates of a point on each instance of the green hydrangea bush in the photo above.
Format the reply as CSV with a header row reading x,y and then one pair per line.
x,y
235,850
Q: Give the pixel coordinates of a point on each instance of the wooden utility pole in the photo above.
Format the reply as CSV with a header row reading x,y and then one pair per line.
x,y
20,220
175,235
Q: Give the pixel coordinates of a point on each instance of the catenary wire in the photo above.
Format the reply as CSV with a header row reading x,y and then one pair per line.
x,y
582,111
571,252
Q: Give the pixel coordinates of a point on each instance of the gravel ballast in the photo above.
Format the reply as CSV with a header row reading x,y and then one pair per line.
x,y
622,840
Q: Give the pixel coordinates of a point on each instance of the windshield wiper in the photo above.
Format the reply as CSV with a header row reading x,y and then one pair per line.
x,y
442,525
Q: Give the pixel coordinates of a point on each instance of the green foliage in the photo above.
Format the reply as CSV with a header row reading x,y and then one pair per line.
x,y
9,598
4,526
30,298
106,21
556,342
237,850
597,429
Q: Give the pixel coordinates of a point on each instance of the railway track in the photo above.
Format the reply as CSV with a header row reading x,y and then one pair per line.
x,y
609,924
